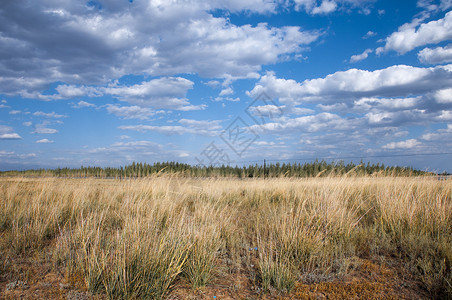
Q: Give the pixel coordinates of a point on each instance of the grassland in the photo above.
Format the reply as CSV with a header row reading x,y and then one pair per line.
x,y
174,237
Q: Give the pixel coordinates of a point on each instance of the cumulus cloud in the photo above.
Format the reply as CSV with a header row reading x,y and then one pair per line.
x,y
130,112
275,112
386,104
43,129
3,104
312,123
44,141
82,104
394,81
328,6
201,124
7,133
166,92
360,57
160,93
231,99
369,34
441,136
444,96
206,128
410,36
48,115
75,43
437,55
14,155
10,136
226,91
408,144
325,7
432,5
359,104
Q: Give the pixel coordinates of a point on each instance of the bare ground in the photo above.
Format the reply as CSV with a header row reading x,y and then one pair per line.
x,y
367,278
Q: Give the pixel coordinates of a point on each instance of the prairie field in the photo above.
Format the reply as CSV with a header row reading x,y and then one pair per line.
x,y
173,237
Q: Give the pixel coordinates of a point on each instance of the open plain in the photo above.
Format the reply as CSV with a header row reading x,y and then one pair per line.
x,y
174,237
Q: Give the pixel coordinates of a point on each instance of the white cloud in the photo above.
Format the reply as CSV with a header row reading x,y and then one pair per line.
x,y
329,6
366,104
166,92
168,130
71,91
276,112
369,34
394,81
183,154
10,136
437,55
446,4
44,141
43,129
226,91
82,104
427,4
264,143
206,128
398,118
213,83
313,123
193,107
48,115
130,112
7,133
443,136
362,56
325,7
28,123
431,6
408,144
14,155
444,96
218,99
78,44
267,110
201,124
409,37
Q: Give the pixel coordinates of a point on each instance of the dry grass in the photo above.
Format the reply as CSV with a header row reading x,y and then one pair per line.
x,y
137,238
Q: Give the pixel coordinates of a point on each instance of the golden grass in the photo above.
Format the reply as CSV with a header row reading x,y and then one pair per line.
x,y
136,238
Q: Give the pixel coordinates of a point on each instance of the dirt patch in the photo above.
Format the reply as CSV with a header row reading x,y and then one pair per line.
x,y
34,278
366,279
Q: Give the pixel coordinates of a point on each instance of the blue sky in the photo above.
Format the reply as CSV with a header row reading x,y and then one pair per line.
x,y
107,83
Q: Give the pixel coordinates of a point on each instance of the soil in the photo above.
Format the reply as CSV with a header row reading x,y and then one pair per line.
x,y
34,278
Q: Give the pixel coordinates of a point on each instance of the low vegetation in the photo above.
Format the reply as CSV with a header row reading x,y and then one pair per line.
x,y
309,169
126,239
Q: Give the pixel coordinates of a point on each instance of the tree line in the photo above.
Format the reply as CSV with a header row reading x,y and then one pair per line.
x,y
309,169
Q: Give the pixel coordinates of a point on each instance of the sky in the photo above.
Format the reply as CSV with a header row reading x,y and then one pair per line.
x,y
107,83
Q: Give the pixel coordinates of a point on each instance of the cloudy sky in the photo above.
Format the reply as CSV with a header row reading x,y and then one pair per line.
x,y
109,82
